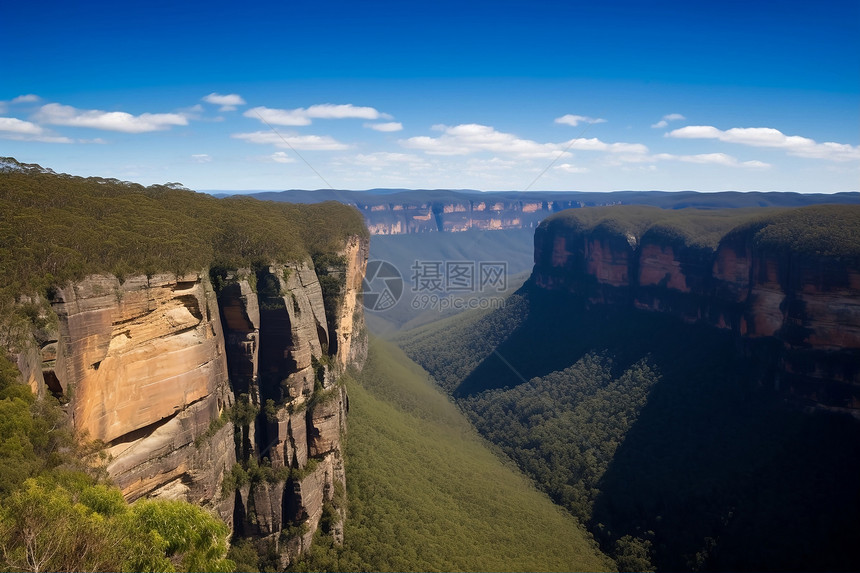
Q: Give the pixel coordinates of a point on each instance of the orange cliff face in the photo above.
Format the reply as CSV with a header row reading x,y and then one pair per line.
x,y
149,366
143,366
151,342
660,266
810,305
598,267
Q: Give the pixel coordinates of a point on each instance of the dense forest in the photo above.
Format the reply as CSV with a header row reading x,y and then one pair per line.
x,y
654,433
817,230
55,228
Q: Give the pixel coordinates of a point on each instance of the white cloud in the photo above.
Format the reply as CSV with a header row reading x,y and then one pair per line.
x,y
667,118
303,116
568,168
332,111
290,117
228,102
390,126
756,164
308,142
389,163
280,157
20,130
57,114
595,144
494,164
712,159
385,158
472,138
575,120
27,98
773,138
201,158
14,125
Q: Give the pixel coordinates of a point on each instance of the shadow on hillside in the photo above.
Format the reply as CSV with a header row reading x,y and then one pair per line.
x,y
725,478
559,331
717,472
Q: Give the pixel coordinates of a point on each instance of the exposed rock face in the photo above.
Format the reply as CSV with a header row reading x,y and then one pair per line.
x,y
351,333
400,218
294,379
802,310
143,366
181,383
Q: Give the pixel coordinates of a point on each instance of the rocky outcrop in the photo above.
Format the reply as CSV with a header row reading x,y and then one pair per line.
x,y
188,383
799,310
142,367
292,446
351,333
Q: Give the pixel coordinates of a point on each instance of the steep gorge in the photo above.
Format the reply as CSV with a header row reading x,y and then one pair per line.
x,y
648,378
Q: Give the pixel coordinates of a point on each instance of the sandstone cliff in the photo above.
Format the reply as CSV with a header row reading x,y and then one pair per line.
x,y
188,383
798,304
142,366
286,357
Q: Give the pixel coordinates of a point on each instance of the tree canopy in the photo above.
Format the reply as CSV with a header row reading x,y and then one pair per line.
x,y
55,228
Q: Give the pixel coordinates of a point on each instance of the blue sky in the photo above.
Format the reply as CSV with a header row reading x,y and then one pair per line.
x,y
503,95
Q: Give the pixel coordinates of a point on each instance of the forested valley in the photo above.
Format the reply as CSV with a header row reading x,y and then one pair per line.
x,y
427,494
654,433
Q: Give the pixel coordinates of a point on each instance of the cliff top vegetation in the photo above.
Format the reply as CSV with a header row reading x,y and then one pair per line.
x,y
819,230
56,227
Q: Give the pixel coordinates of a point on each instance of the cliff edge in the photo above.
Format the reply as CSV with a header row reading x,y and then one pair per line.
x,y
787,283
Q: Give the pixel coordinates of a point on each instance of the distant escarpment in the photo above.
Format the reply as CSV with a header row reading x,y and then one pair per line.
x,y
400,212
786,282
454,216
202,341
